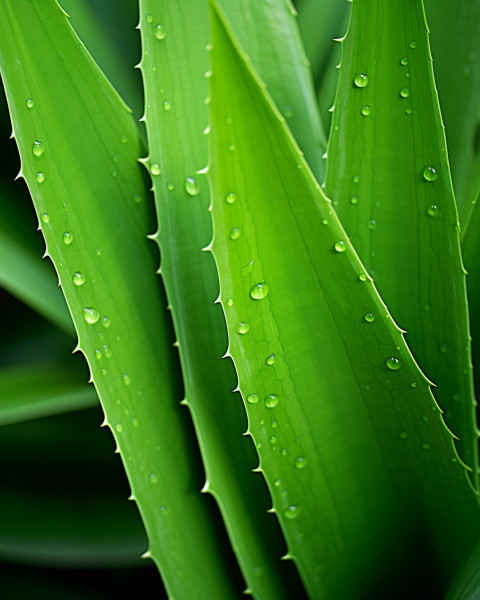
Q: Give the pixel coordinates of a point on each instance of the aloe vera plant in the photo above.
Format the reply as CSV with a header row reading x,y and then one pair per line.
x,y
271,299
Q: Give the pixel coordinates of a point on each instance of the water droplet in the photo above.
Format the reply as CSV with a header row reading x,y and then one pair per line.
x,y
365,110
98,354
149,19
259,291
300,462
408,110
404,92
372,224
166,105
270,360
153,478
242,327
360,80
235,233
134,422
404,61
403,435
191,186
284,452
78,278
369,317
170,187
40,177
91,315
287,112
126,379
38,148
253,398
30,103
230,302
230,198
105,321
277,482
430,174
443,348
273,440
274,424
98,251
247,268
271,400
354,200
339,246
67,238
160,32
393,363
432,211
231,147
325,222
292,512
45,217
118,427
356,179
413,45
363,277
407,74
155,169
413,384
108,352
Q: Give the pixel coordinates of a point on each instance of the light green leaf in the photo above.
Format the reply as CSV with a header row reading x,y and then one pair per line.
x,y
388,174
359,454
457,74
94,209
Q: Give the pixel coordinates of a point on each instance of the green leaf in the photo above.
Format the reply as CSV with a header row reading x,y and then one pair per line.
x,y
41,389
457,74
350,440
176,117
94,209
392,190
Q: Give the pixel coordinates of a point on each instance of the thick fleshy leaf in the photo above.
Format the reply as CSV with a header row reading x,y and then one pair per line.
x,y
79,149
455,41
388,175
351,443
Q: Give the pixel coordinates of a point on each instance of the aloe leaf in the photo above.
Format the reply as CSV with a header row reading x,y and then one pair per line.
x,y
108,32
176,117
93,205
25,276
65,507
457,74
393,193
343,420
42,389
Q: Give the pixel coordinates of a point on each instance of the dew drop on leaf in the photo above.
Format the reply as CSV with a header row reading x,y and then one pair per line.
x,y
67,238
166,105
230,302
413,45
118,428
339,246
40,177
191,186
38,148
354,200
78,278
404,92
153,478
271,400
45,217
292,512
432,211
393,363
404,61
253,398
91,315
235,233
369,318
270,360
30,103
259,291
360,80
242,327
403,435
230,198
372,224
126,379
149,18
362,277
98,354
430,174
408,110
160,32
300,462
365,110
105,321
155,169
